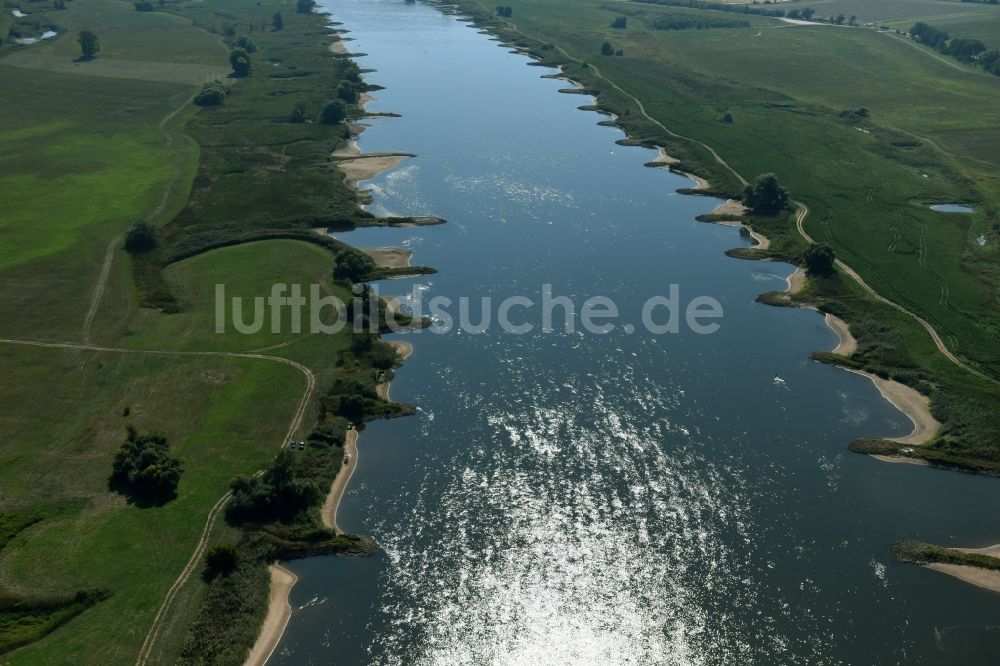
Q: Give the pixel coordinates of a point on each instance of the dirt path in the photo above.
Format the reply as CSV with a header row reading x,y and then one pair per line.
x,y
213,514
102,281
109,254
800,215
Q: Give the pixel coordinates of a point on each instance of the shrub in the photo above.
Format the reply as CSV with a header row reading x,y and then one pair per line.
x,y
240,61
819,259
352,265
211,94
607,49
221,560
246,44
765,196
334,112
276,494
142,237
144,468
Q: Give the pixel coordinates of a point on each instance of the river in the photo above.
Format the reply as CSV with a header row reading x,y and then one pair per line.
x,y
576,498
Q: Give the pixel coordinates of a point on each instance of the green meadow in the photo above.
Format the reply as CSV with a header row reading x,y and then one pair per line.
x,y
87,149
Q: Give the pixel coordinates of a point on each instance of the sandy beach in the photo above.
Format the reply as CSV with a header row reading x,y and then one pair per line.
x,y
663,158
403,351
848,345
389,257
278,612
796,281
699,182
911,402
984,578
339,485
358,166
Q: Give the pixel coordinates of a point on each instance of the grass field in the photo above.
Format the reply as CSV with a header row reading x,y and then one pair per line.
x,y
867,182
86,150
888,10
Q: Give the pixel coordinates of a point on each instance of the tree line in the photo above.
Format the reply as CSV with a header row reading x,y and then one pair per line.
x,y
969,51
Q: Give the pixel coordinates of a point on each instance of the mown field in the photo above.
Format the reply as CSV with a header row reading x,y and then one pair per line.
x,y
928,136
87,149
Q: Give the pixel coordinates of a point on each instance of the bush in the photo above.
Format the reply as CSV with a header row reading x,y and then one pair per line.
x,y
607,49
211,94
765,196
221,560
347,92
352,265
246,44
142,237
819,259
240,61
333,113
276,494
298,114
144,468
727,117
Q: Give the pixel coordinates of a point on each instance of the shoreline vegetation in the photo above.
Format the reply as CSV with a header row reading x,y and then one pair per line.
x,y
951,417
976,566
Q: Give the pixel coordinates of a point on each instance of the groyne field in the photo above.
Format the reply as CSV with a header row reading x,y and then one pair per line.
x,y
192,149
849,113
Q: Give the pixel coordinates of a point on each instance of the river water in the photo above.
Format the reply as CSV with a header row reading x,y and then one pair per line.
x,y
574,498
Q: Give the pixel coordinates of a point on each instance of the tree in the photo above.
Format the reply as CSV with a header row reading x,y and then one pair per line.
x,y
211,94
142,237
246,44
839,20
334,112
144,468
853,20
765,196
221,560
277,22
506,12
298,114
727,117
819,259
305,6
620,23
144,6
352,265
808,12
90,45
347,92
607,49
277,493
240,61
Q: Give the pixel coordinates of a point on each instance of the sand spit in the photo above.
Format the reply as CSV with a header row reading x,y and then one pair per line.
x,y
278,613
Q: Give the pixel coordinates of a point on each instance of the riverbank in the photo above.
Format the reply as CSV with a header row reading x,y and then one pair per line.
x,y
279,610
339,486
897,347
976,566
